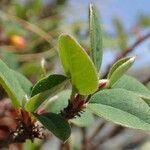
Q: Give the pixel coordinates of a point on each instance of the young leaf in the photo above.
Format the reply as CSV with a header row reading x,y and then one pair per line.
x,y
44,89
47,83
96,37
119,69
11,84
56,124
77,65
131,84
122,107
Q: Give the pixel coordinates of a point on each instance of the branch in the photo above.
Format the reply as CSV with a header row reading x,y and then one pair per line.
x,y
127,51
31,27
114,132
97,130
146,81
65,146
36,56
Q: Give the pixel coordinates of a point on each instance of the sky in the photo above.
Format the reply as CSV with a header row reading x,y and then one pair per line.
x,y
126,10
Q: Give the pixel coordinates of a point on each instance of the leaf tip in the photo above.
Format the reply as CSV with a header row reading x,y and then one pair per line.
x,y
91,6
132,59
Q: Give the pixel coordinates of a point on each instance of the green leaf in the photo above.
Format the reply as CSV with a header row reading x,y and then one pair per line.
x,y
119,69
122,107
77,65
45,88
131,84
56,124
47,83
25,84
85,120
11,84
96,37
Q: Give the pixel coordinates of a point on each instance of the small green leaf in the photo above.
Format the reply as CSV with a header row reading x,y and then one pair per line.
x,y
119,69
96,37
56,124
131,84
47,83
77,65
122,107
45,88
10,83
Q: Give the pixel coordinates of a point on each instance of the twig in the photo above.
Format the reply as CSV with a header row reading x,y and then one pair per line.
x,y
127,50
84,141
65,146
31,27
146,81
97,130
36,56
114,132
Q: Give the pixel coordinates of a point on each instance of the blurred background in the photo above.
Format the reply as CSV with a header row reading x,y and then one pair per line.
x,y
29,30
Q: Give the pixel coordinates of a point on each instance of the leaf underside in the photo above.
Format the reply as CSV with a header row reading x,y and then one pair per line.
x,y
122,107
131,84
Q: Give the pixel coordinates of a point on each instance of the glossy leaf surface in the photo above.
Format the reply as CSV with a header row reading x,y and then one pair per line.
x,y
44,89
47,83
77,65
56,124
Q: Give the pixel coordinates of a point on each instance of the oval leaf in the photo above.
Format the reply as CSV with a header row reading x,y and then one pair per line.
x,y
96,37
44,89
131,84
77,65
56,124
122,107
119,69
